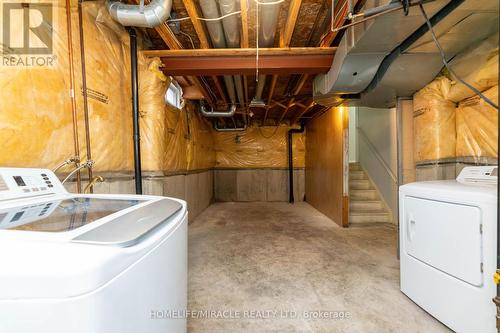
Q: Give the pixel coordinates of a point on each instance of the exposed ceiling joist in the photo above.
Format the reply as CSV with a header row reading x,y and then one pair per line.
x,y
244,40
303,112
285,38
287,31
295,92
173,43
244,23
198,27
270,98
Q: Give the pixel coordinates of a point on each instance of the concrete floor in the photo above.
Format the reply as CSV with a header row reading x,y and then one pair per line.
x,y
291,259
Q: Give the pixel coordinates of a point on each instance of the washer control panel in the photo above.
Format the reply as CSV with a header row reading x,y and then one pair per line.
x,y
486,175
22,183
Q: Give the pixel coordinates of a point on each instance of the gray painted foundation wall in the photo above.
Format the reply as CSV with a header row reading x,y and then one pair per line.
x,y
196,187
257,184
446,169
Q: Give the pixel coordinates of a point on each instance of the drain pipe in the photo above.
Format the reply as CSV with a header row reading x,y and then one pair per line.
x,y
291,199
135,111
144,16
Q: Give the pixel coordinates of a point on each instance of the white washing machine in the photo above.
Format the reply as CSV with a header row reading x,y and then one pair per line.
x,y
448,248
89,263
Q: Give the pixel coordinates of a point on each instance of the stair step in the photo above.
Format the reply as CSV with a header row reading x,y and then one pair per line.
x,y
363,194
355,167
357,174
369,217
365,205
360,184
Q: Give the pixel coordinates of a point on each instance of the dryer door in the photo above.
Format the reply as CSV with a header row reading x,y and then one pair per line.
x,y
446,236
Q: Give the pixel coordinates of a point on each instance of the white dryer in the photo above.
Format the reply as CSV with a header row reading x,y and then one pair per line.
x,y
448,248
88,263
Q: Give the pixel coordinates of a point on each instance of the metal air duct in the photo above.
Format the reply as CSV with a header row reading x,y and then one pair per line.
x,y
268,20
214,114
146,16
232,33
216,33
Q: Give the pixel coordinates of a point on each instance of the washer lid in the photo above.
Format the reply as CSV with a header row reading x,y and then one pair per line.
x,y
129,229
61,215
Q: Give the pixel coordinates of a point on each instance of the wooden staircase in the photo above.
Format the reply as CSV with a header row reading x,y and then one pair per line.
x,y
365,204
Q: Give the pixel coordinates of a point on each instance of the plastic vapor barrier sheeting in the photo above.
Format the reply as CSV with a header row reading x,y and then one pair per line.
x,y
36,127
484,59
434,122
477,126
449,119
258,147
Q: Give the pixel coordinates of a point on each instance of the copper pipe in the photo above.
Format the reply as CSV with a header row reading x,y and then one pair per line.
x,y
76,143
84,93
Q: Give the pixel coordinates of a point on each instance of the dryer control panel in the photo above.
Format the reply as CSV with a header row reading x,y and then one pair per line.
x,y
484,175
23,183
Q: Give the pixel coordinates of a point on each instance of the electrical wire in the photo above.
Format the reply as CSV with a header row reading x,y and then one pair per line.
x,y
268,137
188,36
445,62
204,19
269,3
257,42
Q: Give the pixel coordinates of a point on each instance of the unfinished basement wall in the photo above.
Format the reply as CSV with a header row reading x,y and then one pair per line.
x,y
37,127
454,128
252,165
326,164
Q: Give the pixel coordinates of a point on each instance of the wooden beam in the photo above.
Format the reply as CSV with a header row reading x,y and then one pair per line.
x,y
246,65
198,27
242,61
246,52
287,32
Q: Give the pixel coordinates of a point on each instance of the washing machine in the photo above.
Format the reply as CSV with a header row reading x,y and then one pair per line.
x,y
89,263
448,248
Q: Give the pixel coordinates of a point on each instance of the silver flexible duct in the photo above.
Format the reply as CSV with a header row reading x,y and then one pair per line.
x,y
148,16
268,20
232,33
216,33
212,113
